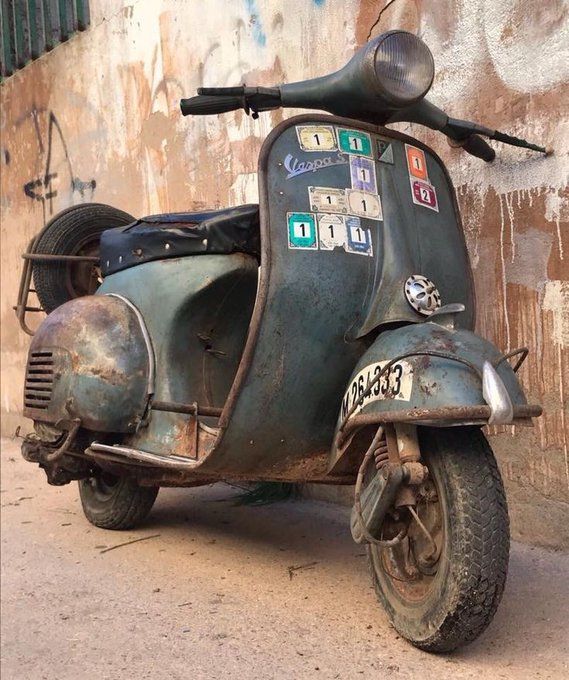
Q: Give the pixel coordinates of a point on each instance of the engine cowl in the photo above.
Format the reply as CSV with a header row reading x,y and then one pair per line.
x,y
90,360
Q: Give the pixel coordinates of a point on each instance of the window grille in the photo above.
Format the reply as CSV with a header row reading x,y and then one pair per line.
x,y
31,27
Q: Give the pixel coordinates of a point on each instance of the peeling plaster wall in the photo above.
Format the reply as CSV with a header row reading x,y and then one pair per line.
x,y
98,119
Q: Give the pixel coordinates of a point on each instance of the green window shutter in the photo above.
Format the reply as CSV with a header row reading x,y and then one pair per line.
x,y
22,32
28,28
83,15
51,23
67,18
37,28
8,39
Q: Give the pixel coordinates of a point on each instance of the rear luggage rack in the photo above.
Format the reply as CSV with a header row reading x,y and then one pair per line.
x,y
30,256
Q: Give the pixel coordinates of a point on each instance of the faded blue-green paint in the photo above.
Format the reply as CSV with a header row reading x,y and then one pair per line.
x,y
191,305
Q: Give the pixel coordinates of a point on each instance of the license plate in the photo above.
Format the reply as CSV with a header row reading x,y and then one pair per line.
x,y
395,383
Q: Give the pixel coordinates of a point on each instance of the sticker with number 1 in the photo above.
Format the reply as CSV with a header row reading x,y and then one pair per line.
x,y
316,137
364,204
362,171
302,234
359,238
416,162
332,231
354,142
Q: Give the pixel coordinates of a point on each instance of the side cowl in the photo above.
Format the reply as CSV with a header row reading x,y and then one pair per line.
x,y
90,360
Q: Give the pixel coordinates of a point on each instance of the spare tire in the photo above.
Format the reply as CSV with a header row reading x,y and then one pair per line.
x,y
74,231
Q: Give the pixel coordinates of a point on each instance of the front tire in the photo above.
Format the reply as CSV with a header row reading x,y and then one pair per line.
x,y
118,503
447,600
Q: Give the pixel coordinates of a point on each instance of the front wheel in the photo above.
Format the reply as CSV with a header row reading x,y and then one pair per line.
x,y
442,593
111,502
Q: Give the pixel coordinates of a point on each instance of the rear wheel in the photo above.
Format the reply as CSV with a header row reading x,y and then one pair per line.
x,y
75,231
111,502
442,593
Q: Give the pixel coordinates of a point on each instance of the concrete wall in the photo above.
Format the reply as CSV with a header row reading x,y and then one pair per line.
x,y
98,119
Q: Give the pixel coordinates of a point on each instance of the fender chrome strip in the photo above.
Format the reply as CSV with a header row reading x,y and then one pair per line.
x,y
147,340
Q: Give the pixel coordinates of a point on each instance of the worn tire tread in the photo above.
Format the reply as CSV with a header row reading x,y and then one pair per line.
x,y
126,510
480,539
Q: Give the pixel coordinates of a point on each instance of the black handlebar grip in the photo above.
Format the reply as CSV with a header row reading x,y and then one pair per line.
x,y
238,91
205,105
476,146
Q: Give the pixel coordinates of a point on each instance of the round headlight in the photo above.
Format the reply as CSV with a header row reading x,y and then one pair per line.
x,y
404,67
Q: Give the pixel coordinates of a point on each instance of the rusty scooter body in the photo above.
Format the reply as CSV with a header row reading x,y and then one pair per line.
x,y
325,335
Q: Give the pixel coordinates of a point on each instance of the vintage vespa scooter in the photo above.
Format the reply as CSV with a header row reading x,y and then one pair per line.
x,y
324,336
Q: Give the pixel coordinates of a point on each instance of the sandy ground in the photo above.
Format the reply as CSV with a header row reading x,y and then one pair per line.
x,y
211,594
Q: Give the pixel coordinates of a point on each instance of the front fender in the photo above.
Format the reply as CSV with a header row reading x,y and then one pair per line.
x,y
427,390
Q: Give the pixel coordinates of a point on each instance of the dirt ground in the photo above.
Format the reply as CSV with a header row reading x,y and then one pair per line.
x,y
219,591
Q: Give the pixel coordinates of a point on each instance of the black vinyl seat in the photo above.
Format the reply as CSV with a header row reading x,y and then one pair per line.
x,y
179,234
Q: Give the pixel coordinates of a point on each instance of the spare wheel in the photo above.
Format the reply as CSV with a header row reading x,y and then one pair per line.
x,y
74,231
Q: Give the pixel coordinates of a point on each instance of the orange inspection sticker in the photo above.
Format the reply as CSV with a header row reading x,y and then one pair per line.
x,y
416,162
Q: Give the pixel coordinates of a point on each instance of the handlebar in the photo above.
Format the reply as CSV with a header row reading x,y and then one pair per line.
x,y
204,105
213,100
461,133
475,146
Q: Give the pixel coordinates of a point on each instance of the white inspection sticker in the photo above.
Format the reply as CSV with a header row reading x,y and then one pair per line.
x,y
316,137
332,231
364,204
327,199
395,383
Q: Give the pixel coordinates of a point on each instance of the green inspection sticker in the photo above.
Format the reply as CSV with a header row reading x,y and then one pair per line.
x,y
302,231
354,142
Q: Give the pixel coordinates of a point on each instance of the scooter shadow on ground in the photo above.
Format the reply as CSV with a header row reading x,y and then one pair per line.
x,y
310,531
303,527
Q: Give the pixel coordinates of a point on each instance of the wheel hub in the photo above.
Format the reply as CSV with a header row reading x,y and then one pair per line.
x,y
83,278
413,564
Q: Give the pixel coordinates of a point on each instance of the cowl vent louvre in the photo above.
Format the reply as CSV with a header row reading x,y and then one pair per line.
x,y
39,380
